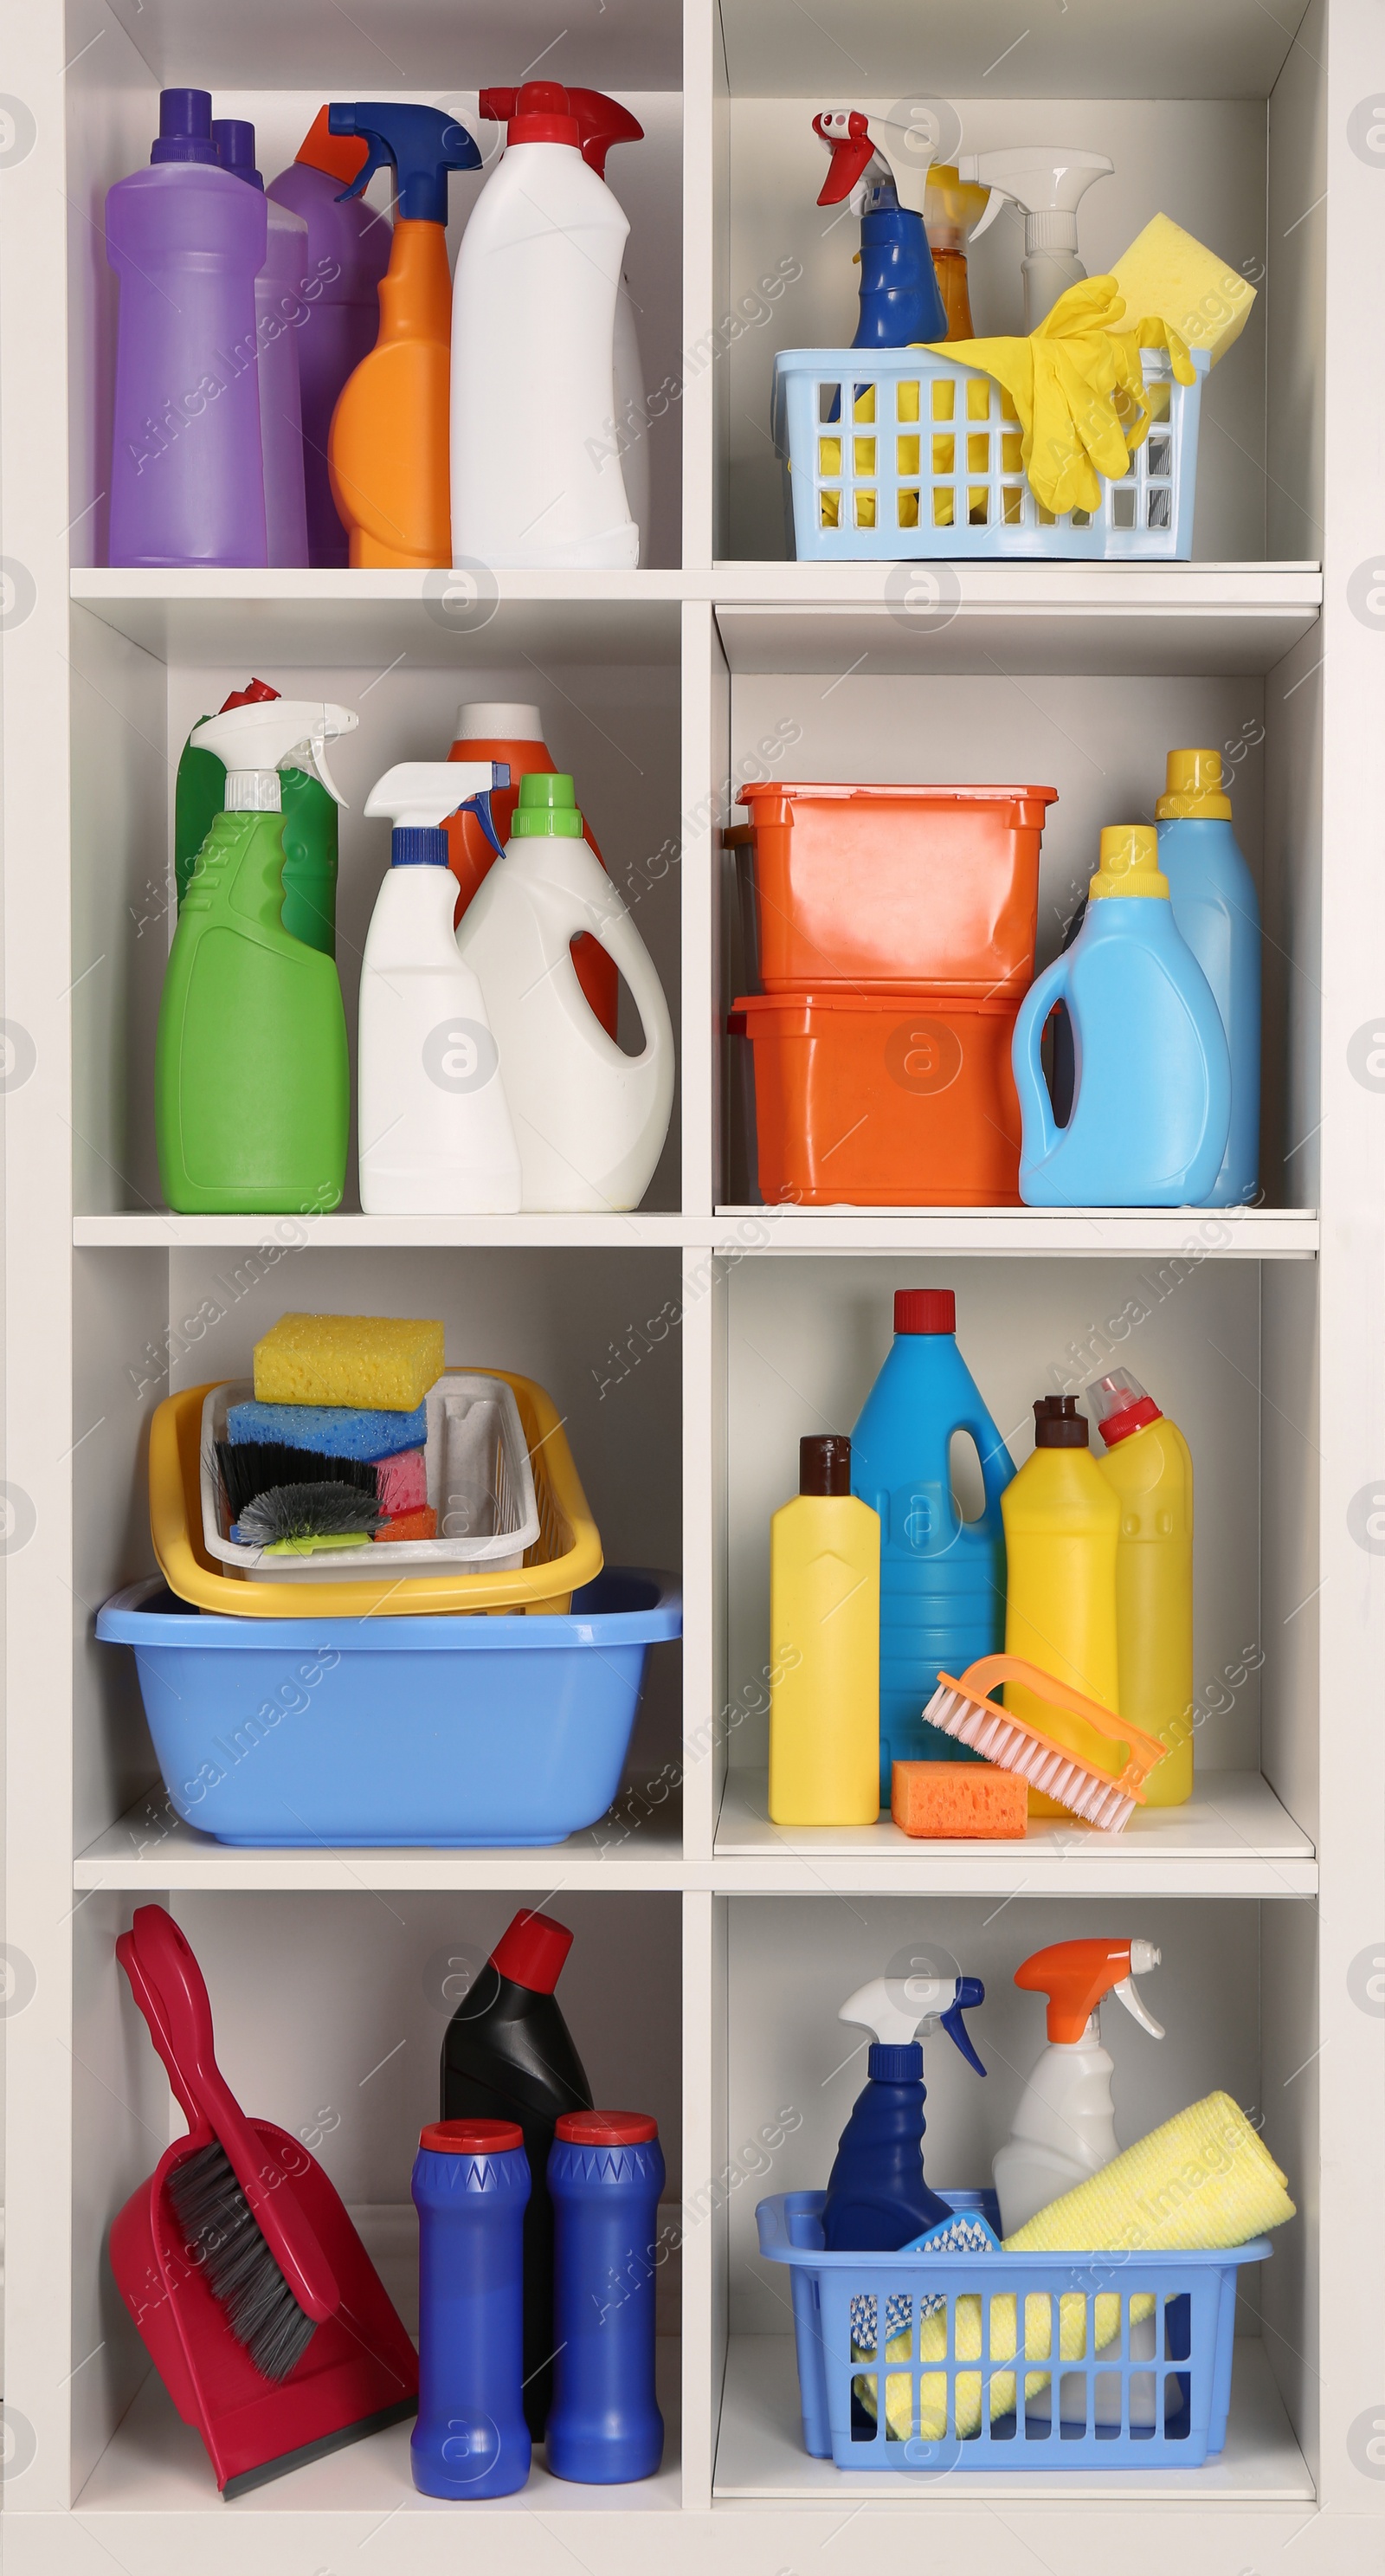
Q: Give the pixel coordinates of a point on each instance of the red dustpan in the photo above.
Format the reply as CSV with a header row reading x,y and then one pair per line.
x,y
360,2370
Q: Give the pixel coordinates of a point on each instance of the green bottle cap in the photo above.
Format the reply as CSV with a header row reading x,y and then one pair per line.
x,y
546,806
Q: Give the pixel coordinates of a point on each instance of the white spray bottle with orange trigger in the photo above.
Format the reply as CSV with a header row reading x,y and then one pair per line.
x,y
1065,2126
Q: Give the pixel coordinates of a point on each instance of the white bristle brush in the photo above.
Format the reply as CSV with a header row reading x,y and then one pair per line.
x,y
965,1710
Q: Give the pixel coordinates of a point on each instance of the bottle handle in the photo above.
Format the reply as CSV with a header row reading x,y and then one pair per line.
x,y
608,922
1036,1108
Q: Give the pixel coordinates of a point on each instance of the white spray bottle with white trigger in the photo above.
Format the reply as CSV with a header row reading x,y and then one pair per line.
x,y
435,1135
1048,184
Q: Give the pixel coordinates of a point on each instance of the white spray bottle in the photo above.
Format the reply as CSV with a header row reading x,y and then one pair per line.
x,y
1065,2127
435,1135
590,1121
534,298
1048,184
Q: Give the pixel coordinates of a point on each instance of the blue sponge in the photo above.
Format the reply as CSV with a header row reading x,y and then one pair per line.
x,y
335,1430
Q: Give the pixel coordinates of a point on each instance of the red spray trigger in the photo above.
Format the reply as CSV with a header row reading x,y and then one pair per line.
x,y
601,122
1076,1974
846,134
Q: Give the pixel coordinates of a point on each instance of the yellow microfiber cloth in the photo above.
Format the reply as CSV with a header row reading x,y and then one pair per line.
x,y
1078,390
1202,2181
371,1362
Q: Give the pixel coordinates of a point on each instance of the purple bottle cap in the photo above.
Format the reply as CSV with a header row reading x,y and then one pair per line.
x,y
234,137
185,127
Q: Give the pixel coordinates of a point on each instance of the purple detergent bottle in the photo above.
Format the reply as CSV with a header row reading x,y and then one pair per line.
x,y
348,252
279,308
187,244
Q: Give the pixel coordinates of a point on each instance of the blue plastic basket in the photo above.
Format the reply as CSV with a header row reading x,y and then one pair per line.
x,y
444,1731
849,2308
937,470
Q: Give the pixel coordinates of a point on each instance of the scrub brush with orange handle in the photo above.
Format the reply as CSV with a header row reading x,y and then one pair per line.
x,y
965,1709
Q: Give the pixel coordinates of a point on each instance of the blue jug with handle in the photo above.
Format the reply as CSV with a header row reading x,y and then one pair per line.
x,y
1218,911
1151,1103
942,1579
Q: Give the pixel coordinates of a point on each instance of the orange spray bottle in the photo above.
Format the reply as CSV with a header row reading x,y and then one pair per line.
x,y
387,451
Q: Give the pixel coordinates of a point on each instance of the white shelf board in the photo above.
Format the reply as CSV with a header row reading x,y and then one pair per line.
x,y
1192,1234
1098,620
412,52
370,620
156,2465
149,1846
1088,49
1232,1838
760,2454
156,1230
1248,1234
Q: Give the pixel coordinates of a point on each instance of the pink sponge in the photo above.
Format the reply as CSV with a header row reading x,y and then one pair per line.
x,y
402,1482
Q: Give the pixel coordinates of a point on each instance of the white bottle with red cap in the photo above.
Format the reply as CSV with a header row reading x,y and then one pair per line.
x,y
1065,2128
535,481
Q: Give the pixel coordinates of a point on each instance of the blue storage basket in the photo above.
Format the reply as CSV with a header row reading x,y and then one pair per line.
x,y
447,1731
937,470
841,2301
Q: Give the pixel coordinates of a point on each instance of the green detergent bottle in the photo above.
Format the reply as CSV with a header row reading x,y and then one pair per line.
x,y
252,1084
310,829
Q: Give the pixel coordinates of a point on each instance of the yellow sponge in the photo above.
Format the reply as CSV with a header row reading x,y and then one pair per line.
x,y
1168,274
370,1361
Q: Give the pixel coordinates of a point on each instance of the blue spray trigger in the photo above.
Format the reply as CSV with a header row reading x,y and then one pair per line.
x,y
970,1991
480,806
422,144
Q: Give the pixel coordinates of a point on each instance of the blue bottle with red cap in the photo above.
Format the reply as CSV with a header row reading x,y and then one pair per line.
x,y
471,2189
942,1578
605,2174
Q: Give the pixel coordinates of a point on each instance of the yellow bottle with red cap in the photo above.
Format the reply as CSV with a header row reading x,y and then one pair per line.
x,y
1147,1464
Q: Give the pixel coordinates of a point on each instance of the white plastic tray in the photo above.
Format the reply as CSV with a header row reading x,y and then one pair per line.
x,y
480,1484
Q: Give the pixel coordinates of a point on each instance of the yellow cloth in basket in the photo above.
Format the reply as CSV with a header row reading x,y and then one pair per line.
x,y
1202,2181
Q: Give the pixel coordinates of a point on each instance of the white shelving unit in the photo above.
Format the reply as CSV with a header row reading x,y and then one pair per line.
x,y
712,1950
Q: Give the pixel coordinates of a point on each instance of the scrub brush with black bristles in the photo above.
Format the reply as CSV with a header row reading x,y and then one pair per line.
x,y
225,2243
251,1467
309,1516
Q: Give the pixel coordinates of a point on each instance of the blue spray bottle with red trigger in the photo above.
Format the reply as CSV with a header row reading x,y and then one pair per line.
x,y
877,2199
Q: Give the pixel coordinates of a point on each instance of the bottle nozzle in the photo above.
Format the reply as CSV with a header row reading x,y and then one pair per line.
x,y
1075,1975
895,2008
421,143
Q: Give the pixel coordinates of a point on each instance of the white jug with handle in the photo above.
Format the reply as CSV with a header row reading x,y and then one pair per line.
x,y
589,1121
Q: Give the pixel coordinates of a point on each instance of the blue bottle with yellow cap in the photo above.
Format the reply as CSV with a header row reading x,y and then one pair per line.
x,y
1151,1104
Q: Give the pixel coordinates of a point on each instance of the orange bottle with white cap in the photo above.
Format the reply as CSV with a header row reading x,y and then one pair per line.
x,y
1065,2127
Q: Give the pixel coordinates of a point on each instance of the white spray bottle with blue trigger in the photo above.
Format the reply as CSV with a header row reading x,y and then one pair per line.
x,y
877,2199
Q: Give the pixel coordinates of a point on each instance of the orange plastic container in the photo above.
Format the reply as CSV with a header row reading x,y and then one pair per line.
x,y
881,888
883,1099
387,447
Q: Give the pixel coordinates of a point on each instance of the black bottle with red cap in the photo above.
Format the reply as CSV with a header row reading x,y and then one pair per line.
x,y
508,2055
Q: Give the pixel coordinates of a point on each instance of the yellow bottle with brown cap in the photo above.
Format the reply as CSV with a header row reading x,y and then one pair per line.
x,y
824,1709
1062,1528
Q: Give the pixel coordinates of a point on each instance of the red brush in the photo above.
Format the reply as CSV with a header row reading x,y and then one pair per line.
x,y
256,2300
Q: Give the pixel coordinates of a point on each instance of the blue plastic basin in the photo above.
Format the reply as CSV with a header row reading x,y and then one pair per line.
x,y
446,1731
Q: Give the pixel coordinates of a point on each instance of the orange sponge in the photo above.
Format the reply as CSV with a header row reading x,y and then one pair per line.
x,y
946,1802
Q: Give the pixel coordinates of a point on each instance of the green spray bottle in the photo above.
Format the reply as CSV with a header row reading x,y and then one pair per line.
x,y
310,830
252,1086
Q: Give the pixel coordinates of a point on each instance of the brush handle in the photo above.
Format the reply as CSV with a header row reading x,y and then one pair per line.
x,y
181,2029
983,1677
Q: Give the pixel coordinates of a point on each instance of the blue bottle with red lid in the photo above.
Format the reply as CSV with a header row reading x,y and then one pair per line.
x,y
942,1578
605,2175
471,2188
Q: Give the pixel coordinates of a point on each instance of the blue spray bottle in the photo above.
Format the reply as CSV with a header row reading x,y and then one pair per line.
x,y
900,298
942,1579
877,2199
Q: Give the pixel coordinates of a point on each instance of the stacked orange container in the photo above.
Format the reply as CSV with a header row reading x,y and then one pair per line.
x,y
893,940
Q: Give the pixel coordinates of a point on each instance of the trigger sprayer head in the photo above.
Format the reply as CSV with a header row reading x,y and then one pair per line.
x,y
1075,1975
545,112
421,143
895,2008
1047,183
265,734
855,139
419,795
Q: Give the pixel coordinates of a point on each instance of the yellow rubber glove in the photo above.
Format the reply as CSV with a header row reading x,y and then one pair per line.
x,y
1204,2179
1078,390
